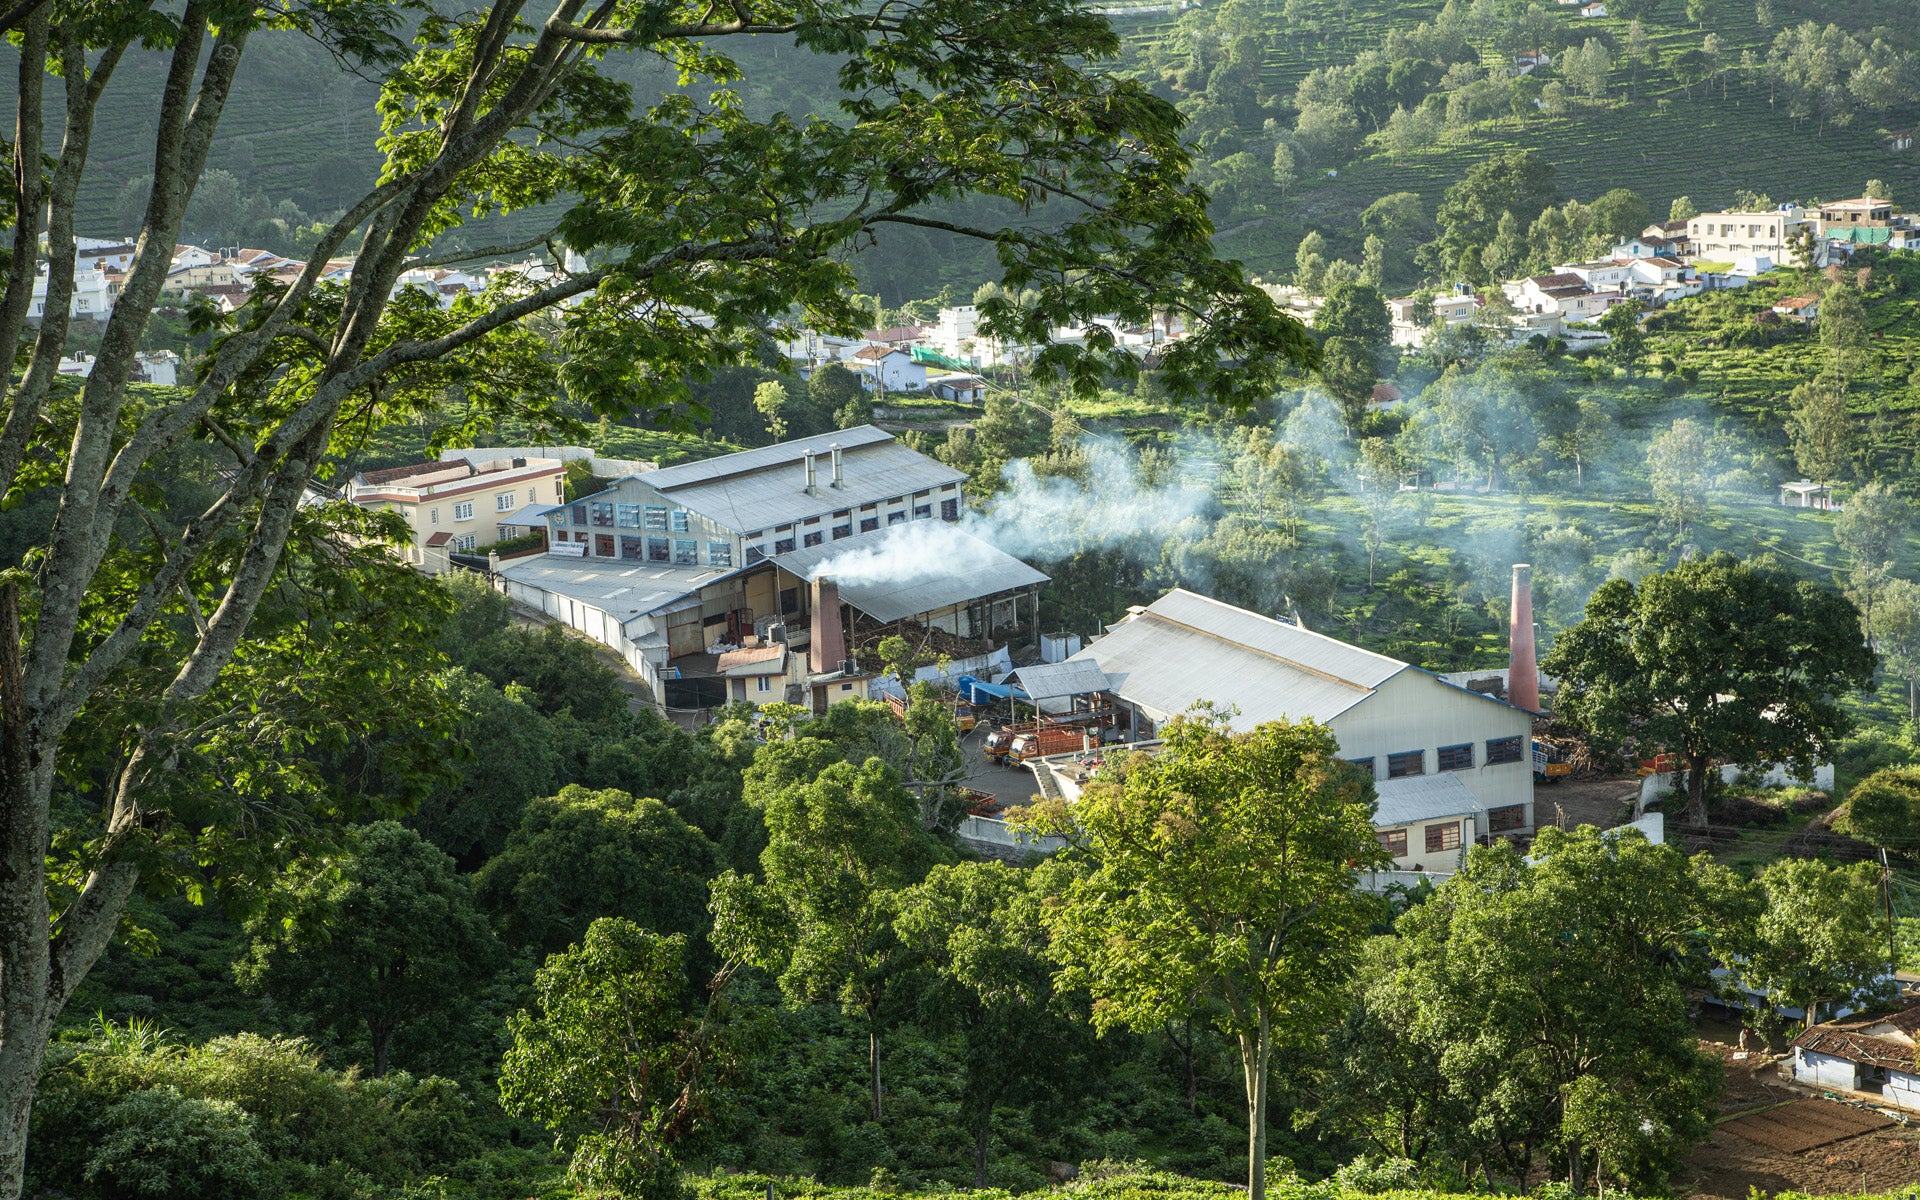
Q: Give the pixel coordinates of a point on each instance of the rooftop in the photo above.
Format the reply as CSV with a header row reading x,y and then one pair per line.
x,y
901,571
623,589
753,489
1881,1041
1056,681
1422,798
1185,647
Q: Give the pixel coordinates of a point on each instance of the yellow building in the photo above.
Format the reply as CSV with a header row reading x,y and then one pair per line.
x,y
459,506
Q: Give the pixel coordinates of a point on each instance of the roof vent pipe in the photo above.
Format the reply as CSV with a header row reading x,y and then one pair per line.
x,y
807,458
839,478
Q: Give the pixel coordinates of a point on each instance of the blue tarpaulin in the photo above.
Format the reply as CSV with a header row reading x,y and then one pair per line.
x,y
979,691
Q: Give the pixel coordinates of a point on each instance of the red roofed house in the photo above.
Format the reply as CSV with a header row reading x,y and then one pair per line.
x,y
888,370
1862,1054
1804,309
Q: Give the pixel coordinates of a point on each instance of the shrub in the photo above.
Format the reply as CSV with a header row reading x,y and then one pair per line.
x,y
163,1144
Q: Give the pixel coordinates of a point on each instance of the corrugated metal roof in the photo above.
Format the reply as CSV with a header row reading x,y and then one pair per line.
x,y
532,514
757,489
1184,648
761,660
916,567
622,589
1052,681
744,461
1422,798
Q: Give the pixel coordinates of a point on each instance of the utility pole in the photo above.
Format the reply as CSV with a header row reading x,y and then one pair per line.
x,y
1886,896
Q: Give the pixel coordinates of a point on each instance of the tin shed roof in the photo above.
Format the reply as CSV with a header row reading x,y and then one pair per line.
x,y
915,567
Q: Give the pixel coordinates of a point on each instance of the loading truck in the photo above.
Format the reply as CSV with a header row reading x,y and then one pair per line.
x,y
1052,739
1550,763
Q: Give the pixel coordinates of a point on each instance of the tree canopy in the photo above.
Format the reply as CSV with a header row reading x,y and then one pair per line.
x,y
1715,660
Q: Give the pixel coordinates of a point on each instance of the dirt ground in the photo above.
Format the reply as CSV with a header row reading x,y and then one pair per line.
x,y
1727,1165
1603,802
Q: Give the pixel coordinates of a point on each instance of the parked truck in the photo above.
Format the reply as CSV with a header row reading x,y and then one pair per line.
x,y
1550,763
1052,739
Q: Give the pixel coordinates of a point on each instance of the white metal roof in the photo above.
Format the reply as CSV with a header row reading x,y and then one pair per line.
x,y
1052,681
756,489
1422,798
621,589
1185,648
532,514
915,567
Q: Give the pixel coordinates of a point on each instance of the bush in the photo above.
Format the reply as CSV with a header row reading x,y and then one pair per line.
x,y
163,1144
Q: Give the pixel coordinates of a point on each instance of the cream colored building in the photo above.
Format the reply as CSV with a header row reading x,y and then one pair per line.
x,y
1724,235
463,506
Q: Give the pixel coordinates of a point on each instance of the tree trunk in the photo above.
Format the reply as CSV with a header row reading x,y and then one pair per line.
x,y
1695,814
1254,1054
873,1061
982,1140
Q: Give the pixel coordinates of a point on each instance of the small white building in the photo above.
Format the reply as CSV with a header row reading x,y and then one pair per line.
x,y
885,369
94,293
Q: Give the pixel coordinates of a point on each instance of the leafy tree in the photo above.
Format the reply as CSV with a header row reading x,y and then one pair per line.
x,y
1680,463
1843,331
172,1147
842,841
1717,660
977,928
584,854
770,401
1691,68
1356,311
381,941
1878,189
611,1063
1874,525
1515,1022
677,206
1221,868
1820,430
835,390
559,672
1286,172
1517,184
1626,339
1884,808
1896,634
1682,209
1821,939
1619,215
471,815
1310,261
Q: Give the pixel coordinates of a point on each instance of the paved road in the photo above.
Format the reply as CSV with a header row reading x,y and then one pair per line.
x,y
1011,784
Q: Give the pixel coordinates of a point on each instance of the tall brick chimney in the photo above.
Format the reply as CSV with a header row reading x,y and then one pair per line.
x,y
829,641
1523,674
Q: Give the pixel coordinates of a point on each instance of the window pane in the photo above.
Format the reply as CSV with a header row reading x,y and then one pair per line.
x,y
629,516
783,546
1407,762
1442,837
1393,841
657,550
631,547
1503,750
1456,758
686,552
1511,816
869,524
679,520
656,520
814,538
719,554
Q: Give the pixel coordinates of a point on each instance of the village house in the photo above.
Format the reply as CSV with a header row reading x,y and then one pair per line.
x,y
1409,320
1451,766
1730,235
961,387
1596,9
1873,1054
1805,493
821,544
459,506
1563,294
1900,139
885,369
1804,309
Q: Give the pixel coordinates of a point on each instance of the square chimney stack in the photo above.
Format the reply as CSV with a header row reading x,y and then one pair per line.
x,y
827,647
1523,672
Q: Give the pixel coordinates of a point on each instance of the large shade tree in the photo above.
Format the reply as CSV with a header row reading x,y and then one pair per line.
x,y
1716,660
1222,870
679,202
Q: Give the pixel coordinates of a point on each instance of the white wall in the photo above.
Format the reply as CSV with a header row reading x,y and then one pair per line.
x,y
1652,786
1824,1070
1415,711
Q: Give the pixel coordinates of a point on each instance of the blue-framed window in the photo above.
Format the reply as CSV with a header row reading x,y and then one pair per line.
x,y
1405,763
1504,750
1456,758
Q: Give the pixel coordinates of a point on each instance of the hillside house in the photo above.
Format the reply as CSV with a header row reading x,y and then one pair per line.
x,y
1442,757
1804,309
459,506
1862,1054
1864,211
1805,493
1900,139
959,387
1596,9
885,369
1409,322
1605,274
819,543
1731,235
1563,294
94,292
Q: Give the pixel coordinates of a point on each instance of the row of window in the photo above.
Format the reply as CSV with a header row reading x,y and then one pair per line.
x,y
681,552
609,514
1447,837
949,511
502,502
1448,758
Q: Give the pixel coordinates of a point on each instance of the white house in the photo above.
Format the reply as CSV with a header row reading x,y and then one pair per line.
x,y
94,292
1450,765
1723,235
886,369
954,332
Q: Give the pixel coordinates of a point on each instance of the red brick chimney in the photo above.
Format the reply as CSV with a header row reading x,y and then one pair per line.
x,y
829,641
1523,673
